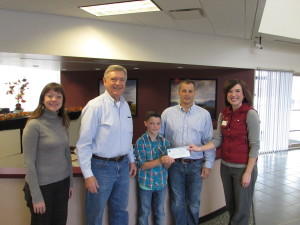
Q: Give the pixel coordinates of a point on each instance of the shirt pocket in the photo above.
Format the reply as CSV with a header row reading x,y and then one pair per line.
x,y
127,124
105,126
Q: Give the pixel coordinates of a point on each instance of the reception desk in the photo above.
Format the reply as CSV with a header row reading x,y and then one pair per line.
x,y
13,208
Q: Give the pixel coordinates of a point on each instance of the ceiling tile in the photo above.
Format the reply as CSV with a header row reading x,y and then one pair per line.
x,y
197,25
187,14
156,19
168,5
227,19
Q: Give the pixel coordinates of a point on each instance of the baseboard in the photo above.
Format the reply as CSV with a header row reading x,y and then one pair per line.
x,y
212,215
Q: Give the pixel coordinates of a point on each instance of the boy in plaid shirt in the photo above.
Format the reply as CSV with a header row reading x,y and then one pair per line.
x,y
152,160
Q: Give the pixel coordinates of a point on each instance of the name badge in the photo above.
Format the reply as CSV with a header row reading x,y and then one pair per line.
x,y
224,123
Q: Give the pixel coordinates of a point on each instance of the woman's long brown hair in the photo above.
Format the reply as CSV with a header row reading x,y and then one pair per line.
x,y
61,112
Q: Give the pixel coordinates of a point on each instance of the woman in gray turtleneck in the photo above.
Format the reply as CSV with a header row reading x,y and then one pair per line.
x,y
48,166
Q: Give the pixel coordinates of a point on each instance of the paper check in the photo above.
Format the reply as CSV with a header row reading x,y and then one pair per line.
x,y
179,152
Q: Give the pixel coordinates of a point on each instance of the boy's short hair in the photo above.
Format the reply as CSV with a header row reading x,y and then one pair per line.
x,y
152,114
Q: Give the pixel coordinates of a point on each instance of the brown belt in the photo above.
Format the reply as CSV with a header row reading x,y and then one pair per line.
x,y
115,159
182,160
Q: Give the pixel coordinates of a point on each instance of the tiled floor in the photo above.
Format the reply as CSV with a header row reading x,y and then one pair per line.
x,y
277,193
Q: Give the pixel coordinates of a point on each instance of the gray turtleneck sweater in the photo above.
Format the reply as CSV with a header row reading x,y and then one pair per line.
x,y
47,155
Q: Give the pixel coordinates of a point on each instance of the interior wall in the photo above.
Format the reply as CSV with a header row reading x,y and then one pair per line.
x,y
153,88
57,35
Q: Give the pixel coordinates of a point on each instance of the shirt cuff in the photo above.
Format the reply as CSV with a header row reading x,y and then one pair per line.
x,y
131,158
208,164
87,173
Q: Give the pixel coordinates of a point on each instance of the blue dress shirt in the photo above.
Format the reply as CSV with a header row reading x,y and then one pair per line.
x,y
106,130
182,128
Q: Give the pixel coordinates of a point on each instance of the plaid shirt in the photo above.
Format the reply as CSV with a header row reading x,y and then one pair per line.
x,y
147,150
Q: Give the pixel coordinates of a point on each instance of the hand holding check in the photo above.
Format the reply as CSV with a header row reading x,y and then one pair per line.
x,y
179,152
194,148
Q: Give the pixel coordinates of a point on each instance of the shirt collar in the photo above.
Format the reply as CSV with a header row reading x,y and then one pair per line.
x,y
156,139
50,114
190,109
122,100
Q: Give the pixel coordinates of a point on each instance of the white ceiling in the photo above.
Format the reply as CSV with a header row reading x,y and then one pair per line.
x,y
229,18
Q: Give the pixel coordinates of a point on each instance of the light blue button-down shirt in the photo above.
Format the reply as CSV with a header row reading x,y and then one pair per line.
x,y
182,128
106,130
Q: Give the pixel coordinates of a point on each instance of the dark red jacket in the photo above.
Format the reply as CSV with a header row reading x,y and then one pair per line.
x,y
235,147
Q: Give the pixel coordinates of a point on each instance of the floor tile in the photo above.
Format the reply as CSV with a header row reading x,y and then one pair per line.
x,y
276,198
294,222
293,210
272,191
288,198
296,194
262,219
280,216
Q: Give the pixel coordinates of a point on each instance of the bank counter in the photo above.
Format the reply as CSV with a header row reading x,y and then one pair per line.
x,y
13,208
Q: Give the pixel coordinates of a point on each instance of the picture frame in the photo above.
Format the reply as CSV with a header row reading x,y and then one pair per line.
x,y
206,93
130,94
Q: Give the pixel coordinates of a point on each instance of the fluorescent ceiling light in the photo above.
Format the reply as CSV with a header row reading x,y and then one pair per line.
x,y
121,8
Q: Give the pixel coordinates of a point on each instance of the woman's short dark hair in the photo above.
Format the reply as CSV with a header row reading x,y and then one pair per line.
x,y
230,84
150,114
61,112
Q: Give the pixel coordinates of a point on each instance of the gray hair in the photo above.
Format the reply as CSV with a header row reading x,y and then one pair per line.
x,y
112,68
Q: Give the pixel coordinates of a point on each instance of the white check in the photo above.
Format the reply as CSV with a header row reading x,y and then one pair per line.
x,y
179,152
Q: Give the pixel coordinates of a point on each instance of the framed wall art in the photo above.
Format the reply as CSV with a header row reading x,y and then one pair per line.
x,y
206,91
130,94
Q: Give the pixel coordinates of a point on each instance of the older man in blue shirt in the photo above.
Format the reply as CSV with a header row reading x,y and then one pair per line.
x,y
182,125
105,151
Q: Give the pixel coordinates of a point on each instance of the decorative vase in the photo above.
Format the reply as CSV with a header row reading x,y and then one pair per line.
x,y
18,108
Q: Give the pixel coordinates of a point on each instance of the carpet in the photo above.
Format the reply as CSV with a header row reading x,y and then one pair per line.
x,y
223,219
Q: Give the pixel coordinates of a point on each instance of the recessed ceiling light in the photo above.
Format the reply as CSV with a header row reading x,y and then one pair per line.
x,y
180,67
97,69
121,8
136,68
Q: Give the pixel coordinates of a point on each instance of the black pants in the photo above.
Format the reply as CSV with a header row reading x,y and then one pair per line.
x,y
56,197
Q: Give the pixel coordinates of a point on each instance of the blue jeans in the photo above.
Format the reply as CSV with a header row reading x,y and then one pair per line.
x,y
185,188
113,179
158,199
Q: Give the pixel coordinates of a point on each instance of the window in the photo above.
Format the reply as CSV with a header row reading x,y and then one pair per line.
x,y
294,137
272,101
37,79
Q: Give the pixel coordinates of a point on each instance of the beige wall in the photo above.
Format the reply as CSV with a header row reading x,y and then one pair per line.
x,y
13,210
7,146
